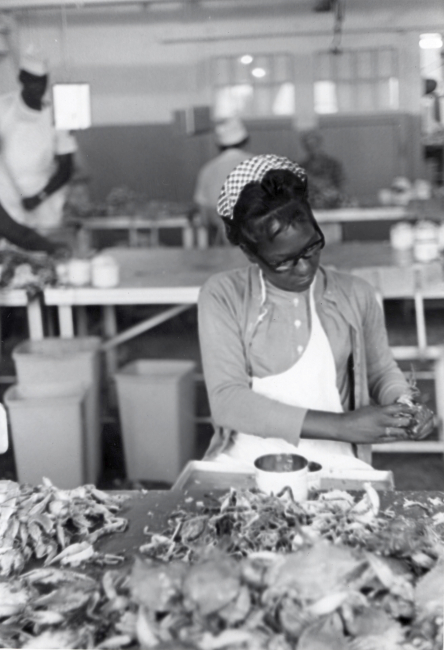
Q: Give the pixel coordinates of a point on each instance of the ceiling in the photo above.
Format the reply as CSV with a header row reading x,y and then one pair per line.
x,y
17,5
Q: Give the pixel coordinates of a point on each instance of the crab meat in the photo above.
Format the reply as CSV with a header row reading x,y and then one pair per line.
x,y
367,509
14,596
55,639
74,554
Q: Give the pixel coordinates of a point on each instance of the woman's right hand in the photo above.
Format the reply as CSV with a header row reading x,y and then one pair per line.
x,y
374,424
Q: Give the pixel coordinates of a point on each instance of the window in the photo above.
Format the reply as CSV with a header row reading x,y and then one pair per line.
x,y
431,57
259,85
356,81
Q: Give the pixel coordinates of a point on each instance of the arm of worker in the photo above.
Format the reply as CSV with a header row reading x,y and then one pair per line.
x,y
27,238
60,177
386,381
233,404
387,420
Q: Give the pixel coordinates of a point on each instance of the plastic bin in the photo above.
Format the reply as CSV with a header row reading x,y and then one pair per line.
x,y
156,406
48,433
58,360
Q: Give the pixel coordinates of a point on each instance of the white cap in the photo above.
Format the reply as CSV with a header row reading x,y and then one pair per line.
x,y
34,62
230,132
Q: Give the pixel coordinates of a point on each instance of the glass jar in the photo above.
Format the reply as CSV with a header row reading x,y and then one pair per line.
x,y
426,244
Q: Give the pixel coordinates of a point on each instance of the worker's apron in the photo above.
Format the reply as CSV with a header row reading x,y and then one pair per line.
x,y
310,383
29,157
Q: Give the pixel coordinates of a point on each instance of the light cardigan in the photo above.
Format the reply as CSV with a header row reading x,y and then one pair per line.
x,y
232,307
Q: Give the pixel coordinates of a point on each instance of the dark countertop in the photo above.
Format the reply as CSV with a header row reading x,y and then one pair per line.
x,y
153,508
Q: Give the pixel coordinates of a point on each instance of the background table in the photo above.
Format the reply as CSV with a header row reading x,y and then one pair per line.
x,y
133,225
173,276
19,298
192,235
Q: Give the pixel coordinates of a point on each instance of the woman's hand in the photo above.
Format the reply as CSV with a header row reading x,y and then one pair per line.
x,y
367,425
376,424
421,423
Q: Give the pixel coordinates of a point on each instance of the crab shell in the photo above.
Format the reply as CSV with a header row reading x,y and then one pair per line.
x,y
429,592
212,585
157,586
14,596
315,571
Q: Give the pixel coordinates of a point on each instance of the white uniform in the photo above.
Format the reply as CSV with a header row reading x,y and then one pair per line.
x,y
214,174
28,145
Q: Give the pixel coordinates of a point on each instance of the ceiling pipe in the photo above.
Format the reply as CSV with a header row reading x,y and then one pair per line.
x,y
18,5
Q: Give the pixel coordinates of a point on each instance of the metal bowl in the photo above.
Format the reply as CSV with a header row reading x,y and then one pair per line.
x,y
274,472
281,463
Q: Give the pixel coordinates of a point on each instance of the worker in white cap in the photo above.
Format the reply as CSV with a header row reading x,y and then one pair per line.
x,y
36,161
231,137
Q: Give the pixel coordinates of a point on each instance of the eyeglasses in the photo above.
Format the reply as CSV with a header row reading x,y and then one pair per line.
x,y
307,253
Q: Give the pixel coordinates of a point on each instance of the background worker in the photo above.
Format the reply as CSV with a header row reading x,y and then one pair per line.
x,y
36,160
27,238
231,138
326,178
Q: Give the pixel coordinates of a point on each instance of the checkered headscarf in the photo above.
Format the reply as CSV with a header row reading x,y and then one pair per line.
x,y
252,169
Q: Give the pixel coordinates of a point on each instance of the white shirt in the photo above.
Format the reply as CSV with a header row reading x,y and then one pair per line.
x,y
213,175
28,144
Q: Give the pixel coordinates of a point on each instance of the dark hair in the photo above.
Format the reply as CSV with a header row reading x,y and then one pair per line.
x,y
266,208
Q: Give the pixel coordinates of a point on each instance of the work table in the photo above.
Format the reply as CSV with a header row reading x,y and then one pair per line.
x,y
153,509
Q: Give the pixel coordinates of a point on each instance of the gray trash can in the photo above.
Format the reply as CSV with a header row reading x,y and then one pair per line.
x,y
78,360
156,406
47,424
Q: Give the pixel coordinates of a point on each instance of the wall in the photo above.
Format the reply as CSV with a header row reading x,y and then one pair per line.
x,y
156,160
145,63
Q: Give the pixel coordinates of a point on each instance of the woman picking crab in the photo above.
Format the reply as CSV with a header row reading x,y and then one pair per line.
x,y
296,357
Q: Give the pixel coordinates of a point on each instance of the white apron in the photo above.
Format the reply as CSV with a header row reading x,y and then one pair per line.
x,y
30,143
310,383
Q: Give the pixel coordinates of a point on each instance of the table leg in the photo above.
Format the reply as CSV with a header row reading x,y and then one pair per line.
x,y
154,236
66,322
82,321
188,237
133,237
110,328
83,241
35,320
202,237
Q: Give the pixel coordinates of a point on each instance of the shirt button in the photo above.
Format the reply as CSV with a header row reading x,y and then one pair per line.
x,y
295,302
300,348
298,323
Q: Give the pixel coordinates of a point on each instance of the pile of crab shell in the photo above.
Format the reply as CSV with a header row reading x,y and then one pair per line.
x,y
320,594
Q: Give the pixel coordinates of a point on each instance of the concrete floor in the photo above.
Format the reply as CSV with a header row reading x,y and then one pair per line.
x,y
177,339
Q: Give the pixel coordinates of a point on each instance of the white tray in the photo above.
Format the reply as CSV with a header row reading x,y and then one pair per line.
x,y
206,475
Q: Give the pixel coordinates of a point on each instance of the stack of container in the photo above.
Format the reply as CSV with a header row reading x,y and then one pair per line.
x,y
54,411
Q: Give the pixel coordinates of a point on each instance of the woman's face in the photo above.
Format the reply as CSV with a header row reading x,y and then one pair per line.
x,y
291,259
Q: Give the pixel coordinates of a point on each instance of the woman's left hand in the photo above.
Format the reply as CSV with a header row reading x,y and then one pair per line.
x,y
422,421
425,424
